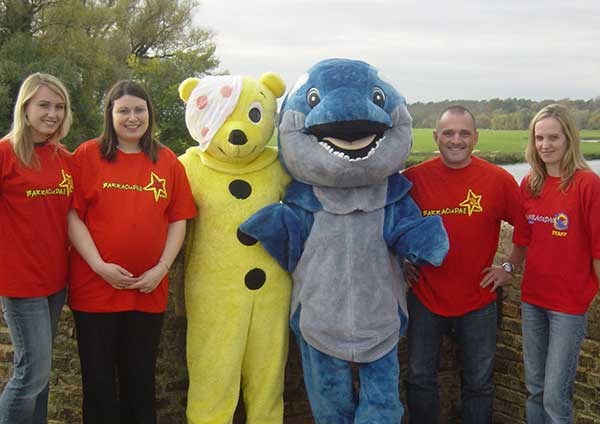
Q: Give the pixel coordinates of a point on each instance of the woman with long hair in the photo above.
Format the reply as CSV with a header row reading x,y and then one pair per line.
x,y
35,197
131,203
561,198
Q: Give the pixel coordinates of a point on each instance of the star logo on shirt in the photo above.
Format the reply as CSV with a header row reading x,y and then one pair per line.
x,y
158,186
472,203
67,182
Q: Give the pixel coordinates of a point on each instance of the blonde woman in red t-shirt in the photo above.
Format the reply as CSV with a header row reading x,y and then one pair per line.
x,y
131,202
561,199
35,196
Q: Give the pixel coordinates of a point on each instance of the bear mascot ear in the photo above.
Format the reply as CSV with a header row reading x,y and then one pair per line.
x,y
273,83
186,88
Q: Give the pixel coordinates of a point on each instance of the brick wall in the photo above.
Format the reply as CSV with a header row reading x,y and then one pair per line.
x,y
65,396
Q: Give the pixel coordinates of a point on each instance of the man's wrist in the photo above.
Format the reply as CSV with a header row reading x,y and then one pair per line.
x,y
508,267
517,268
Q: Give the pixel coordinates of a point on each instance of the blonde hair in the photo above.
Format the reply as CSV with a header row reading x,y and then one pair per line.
x,y
20,131
570,162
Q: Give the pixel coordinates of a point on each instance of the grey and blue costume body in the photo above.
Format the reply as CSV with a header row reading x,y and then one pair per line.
x,y
344,223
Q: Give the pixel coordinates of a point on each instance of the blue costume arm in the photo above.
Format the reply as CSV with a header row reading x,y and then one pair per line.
x,y
419,239
282,230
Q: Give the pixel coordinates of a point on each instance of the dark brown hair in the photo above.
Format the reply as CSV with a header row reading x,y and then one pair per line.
x,y
108,138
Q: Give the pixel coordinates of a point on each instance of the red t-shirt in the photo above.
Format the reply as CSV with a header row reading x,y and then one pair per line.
x,y
563,236
33,221
472,202
127,206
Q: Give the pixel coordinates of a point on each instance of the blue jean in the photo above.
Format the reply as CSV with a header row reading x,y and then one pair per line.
x,y
476,336
32,323
330,389
551,345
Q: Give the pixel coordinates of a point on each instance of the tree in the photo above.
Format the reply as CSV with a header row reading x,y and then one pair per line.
x,y
581,117
594,121
505,114
90,44
483,121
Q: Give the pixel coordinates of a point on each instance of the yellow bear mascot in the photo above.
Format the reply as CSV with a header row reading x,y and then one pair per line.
x,y
237,297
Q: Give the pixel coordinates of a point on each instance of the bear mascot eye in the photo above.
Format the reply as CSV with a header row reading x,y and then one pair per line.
x,y
378,97
312,97
255,113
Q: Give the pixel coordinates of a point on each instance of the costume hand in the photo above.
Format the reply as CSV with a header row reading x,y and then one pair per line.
x,y
115,275
411,273
150,279
495,277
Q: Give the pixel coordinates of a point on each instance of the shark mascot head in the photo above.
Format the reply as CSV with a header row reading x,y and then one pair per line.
x,y
343,125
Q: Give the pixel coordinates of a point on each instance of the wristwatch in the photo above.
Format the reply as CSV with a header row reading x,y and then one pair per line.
x,y
508,267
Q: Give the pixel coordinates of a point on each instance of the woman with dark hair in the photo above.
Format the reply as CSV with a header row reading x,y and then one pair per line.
x,y
131,202
561,199
35,197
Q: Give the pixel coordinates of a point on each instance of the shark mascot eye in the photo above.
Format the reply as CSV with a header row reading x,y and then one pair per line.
x,y
378,97
312,97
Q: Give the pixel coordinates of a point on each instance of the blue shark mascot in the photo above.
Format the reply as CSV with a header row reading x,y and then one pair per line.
x,y
346,220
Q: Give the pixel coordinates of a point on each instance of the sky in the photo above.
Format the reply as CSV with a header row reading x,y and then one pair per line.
x,y
432,50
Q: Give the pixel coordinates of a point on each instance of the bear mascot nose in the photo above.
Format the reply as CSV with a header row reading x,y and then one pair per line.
x,y
237,137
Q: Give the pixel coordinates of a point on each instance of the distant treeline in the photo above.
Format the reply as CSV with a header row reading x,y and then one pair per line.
x,y
507,114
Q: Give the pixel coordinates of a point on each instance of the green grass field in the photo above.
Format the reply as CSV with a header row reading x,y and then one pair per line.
x,y
499,146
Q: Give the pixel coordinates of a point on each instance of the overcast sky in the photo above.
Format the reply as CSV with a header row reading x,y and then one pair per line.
x,y
432,49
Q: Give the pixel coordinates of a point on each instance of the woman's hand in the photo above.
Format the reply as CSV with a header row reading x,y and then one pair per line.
x,y
115,275
150,279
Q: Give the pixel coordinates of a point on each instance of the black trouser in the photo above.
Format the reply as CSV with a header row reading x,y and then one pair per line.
x,y
119,346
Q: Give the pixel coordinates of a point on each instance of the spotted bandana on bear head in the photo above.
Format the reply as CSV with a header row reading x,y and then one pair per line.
x,y
210,104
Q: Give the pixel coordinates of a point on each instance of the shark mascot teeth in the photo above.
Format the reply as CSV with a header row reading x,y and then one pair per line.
x,y
346,224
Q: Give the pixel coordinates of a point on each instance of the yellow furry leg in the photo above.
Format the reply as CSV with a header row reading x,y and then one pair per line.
x,y
266,355
216,339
